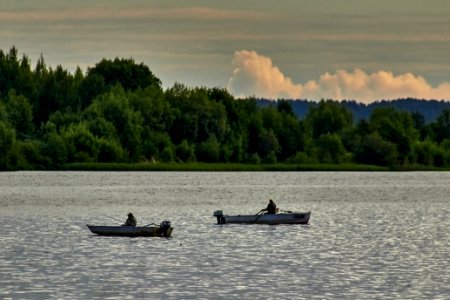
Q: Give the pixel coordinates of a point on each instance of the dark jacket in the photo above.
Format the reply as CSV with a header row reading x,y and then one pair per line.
x,y
271,207
131,221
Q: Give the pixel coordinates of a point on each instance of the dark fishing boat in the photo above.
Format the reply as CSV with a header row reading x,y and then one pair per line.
x,y
163,230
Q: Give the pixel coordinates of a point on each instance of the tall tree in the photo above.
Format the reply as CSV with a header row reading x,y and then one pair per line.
x,y
125,72
20,114
442,126
396,127
327,118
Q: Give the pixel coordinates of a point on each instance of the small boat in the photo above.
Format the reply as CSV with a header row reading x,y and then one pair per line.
x,y
164,230
288,217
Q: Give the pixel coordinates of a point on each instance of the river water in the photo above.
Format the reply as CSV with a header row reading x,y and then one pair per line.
x,y
372,235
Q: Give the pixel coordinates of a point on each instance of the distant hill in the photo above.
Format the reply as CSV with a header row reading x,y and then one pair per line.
x,y
430,109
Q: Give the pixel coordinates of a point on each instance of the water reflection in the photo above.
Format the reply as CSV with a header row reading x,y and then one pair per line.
x,y
372,235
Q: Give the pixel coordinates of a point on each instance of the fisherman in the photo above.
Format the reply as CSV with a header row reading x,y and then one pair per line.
x,y
271,207
131,220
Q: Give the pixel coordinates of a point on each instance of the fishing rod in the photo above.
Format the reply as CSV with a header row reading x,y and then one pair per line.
x,y
150,224
259,214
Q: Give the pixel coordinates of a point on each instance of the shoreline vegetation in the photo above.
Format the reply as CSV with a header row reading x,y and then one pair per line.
x,y
116,116
218,167
236,167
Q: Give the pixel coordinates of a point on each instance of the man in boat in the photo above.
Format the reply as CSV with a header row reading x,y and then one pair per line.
x,y
271,207
131,220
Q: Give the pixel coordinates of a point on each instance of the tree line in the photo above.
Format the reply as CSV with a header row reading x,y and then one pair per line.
x,y
118,112
430,109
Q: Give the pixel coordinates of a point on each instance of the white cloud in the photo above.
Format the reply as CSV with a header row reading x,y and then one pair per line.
x,y
255,75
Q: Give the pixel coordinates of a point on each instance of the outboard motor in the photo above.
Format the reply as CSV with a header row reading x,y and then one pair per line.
x,y
219,215
165,226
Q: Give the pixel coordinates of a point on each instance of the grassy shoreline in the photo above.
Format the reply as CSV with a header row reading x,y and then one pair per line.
x,y
233,167
218,167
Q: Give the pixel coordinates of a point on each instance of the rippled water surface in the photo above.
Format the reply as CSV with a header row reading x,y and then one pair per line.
x,y
371,236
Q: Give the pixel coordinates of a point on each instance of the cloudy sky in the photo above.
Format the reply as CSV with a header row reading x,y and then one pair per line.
x,y
304,49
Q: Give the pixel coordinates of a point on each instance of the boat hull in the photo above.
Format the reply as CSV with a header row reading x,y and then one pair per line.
x,y
131,231
271,219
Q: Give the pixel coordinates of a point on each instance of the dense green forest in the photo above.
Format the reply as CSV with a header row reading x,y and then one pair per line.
x,y
118,112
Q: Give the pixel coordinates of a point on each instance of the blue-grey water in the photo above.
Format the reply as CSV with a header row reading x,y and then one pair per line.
x,y
372,235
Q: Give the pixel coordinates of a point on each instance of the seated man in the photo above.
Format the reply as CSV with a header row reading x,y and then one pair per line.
x,y
271,207
131,220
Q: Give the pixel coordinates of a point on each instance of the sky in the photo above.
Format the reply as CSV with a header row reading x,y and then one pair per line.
x,y
359,50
